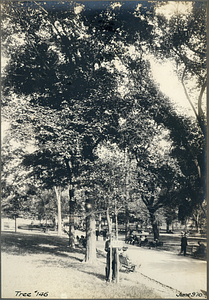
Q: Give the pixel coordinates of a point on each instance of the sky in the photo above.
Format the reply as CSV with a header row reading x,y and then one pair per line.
x,y
164,72
170,85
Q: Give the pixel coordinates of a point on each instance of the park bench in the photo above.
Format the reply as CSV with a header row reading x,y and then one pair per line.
x,y
155,244
198,251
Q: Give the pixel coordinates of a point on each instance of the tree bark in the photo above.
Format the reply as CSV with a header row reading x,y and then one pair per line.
x,y
173,226
71,216
91,239
167,226
100,222
197,226
200,111
110,267
196,220
15,224
109,222
127,175
154,226
59,216
46,227
117,254
185,227
127,222
71,234
187,96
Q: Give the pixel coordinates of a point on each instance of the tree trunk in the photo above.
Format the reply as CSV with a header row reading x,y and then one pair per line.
x,y
15,224
59,216
196,220
173,226
91,239
127,177
71,234
154,226
110,267
109,222
127,223
167,225
71,216
46,224
100,222
185,227
117,254
197,226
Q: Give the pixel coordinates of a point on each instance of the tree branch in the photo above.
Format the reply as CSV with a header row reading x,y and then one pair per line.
x,y
144,200
186,61
193,50
41,7
204,212
200,111
185,91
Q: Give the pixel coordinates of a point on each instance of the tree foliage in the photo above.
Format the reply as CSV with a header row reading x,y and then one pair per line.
x,y
77,78
182,37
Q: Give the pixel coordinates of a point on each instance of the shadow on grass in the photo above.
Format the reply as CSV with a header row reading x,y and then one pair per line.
x,y
98,275
22,244
74,263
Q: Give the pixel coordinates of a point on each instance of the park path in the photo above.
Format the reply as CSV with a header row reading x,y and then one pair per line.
x,y
183,274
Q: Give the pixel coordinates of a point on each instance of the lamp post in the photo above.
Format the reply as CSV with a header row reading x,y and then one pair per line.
x,y
90,229
71,205
71,216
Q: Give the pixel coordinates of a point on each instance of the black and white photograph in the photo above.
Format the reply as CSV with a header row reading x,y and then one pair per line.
x,y
103,149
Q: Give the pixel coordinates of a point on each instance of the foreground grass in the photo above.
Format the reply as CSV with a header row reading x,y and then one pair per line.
x,y
46,264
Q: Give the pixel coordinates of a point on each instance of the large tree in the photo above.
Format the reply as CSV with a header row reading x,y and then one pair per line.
x,y
71,95
76,76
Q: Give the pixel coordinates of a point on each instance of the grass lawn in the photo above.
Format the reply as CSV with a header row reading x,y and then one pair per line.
x,y
33,263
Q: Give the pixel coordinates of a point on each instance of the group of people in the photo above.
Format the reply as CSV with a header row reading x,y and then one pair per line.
x,y
134,239
201,249
81,240
103,233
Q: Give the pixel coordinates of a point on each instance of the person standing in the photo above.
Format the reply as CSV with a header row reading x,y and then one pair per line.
x,y
97,235
104,234
184,243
